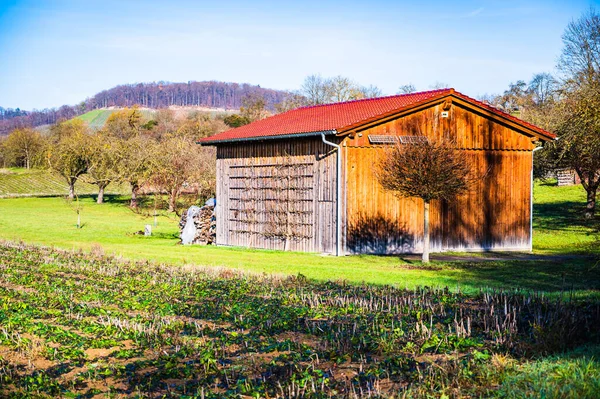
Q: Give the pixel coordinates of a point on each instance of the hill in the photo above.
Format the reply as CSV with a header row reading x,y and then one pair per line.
x,y
208,95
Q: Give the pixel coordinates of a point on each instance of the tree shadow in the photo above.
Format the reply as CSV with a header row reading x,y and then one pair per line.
x,y
115,199
565,215
379,235
554,274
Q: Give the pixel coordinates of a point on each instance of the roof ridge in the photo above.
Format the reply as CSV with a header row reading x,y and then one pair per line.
x,y
349,114
435,91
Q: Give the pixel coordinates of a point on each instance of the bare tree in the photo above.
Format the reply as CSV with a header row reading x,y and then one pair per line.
x,y
426,170
343,89
292,101
439,85
580,57
181,163
253,108
319,90
285,218
407,89
579,140
370,91
135,163
543,89
104,161
316,89
69,153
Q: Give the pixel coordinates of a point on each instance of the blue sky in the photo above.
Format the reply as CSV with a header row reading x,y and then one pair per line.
x,y
60,52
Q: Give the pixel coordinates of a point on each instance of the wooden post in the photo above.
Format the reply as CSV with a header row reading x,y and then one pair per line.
x,y
426,232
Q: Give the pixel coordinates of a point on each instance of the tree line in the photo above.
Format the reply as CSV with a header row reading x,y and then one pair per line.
x,y
159,154
151,95
212,94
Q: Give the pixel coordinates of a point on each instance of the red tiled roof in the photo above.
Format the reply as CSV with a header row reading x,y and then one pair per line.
x,y
338,116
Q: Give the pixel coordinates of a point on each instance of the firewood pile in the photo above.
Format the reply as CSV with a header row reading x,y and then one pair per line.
x,y
205,223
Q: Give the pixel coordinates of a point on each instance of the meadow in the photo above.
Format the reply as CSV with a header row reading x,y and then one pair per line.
x,y
566,247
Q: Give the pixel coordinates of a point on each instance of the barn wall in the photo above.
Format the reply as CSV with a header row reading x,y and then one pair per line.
x,y
277,195
495,214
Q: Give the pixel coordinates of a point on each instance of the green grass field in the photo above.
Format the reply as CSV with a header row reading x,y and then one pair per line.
x,y
557,223
97,117
110,227
18,182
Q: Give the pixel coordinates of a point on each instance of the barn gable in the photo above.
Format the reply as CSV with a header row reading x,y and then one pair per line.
x,y
493,215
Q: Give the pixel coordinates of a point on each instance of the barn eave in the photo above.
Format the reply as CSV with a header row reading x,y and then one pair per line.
x,y
269,137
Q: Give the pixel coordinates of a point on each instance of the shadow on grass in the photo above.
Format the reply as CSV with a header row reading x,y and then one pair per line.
x,y
552,275
115,199
566,215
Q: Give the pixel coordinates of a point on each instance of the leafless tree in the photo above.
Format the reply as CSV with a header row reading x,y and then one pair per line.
x,y
135,163
370,91
342,89
407,89
69,152
179,163
292,101
426,170
319,90
439,85
543,89
253,108
580,57
316,89
285,218
104,161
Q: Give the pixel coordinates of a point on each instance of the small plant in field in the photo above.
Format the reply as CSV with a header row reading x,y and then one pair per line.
x,y
76,206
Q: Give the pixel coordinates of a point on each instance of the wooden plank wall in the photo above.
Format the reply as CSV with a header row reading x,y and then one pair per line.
x,y
277,195
493,215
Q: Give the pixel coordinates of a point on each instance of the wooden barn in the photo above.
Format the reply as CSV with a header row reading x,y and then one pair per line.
x,y
304,180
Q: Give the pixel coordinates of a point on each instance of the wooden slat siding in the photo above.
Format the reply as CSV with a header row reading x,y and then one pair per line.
x,y
494,215
313,196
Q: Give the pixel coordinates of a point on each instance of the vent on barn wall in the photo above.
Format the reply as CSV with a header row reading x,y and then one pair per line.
x,y
383,139
412,139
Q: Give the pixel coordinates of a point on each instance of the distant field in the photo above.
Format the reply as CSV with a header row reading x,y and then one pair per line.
x,y
97,118
16,182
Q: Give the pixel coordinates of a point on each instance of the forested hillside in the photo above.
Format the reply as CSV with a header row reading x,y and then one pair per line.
x,y
151,95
